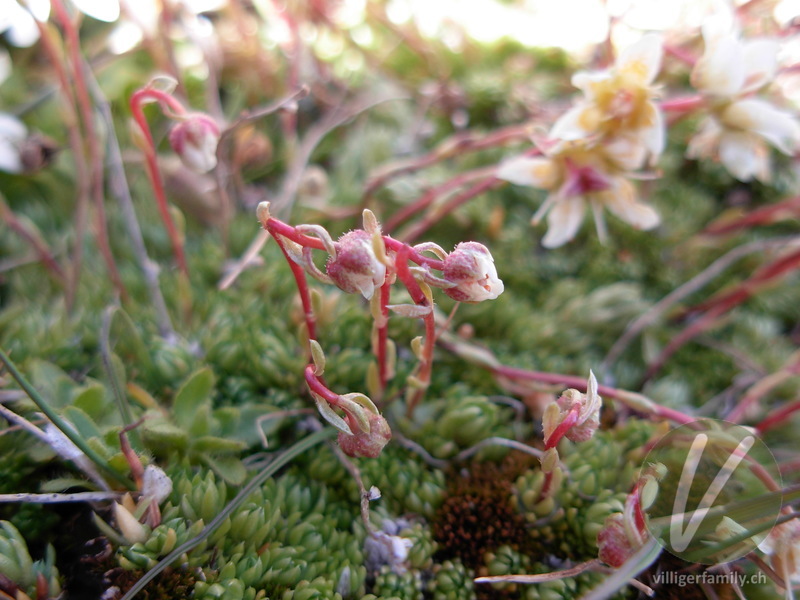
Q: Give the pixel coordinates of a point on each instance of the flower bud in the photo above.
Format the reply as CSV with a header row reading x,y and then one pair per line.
x,y
577,417
471,268
614,546
366,444
156,484
194,140
356,268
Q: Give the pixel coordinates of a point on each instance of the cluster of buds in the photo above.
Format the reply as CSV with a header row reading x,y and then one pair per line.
x,y
739,126
594,148
624,533
575,416
366,262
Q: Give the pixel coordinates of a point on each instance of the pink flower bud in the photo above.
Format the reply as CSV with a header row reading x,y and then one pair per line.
x,y
194,140
355,268
614,546
366,444
577,416
471,268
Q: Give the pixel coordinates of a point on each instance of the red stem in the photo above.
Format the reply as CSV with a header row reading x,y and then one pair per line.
x,y
580,384
383,335
93,147
431,195
280,228
785,210
778,417
432,217
33,238
302,285
683,105
318,388
154,174
457,145
719,306
413,255
81,169
681,54
638,513
568,423
419,298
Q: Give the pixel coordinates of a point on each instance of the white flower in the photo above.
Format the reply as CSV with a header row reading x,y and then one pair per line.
x,y
619,101
12,134
470,267
579,178
740,126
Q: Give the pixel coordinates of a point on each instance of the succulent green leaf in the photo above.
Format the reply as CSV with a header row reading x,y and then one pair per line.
x,y
193,393
228,468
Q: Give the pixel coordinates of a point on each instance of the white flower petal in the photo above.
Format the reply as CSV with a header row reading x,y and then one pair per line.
x,y
627,151
744,155
719,25
643,57
654,137
721,69
11,128
577,123
563,221
776,126
10,161
621,201
523,170
5,65
585,80
760,63
12,132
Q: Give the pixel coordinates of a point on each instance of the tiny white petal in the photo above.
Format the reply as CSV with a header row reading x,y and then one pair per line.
x,y
721,69
760,63
535,172
10,161
156,484
11,128
654,137
563,221
585,80
621,201
776,126
575,124
744,155
643,57
719,25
